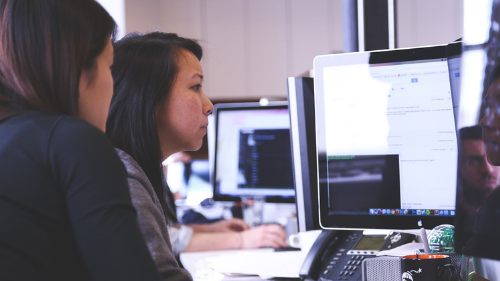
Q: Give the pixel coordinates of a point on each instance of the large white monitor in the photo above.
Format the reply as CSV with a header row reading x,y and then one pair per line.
x,y
252,154
386,139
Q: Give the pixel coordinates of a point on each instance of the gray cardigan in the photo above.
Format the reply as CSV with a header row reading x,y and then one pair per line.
x,y
152,221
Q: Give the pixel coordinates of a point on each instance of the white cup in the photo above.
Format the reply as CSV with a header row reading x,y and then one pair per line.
x,y
304,240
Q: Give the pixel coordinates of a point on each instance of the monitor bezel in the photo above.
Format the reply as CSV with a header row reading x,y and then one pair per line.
x,y
221,107
303,141
328,221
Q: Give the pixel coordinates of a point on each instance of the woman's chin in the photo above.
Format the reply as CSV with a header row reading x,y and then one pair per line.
x,y
195,147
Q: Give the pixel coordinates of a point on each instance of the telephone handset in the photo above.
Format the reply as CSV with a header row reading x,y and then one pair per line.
x,y
338,254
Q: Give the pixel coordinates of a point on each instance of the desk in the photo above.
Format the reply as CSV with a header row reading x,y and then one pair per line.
x,y
201,264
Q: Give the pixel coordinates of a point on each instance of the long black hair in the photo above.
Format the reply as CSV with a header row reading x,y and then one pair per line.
x,y
144,70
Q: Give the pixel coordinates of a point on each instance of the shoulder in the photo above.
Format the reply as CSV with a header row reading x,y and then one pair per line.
x,y
76,154
52,132
47,122
143,196
132,167
57,127
46,119
74,136
76,128
139,184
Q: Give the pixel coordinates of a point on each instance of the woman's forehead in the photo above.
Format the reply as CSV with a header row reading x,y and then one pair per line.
x,y
190,65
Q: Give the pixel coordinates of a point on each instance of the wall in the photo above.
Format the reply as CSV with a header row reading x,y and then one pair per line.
x,y
251,46
116,8
428,22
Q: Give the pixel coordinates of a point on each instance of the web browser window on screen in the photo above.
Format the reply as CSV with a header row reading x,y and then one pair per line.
x,y
402,113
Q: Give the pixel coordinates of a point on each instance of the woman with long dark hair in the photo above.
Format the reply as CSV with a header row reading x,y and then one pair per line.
x,y
65,209
159,108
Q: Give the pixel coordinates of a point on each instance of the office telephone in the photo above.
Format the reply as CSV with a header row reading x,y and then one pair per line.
x,y
338,254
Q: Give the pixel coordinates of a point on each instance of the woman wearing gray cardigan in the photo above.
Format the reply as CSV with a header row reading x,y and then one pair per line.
x,y
159,108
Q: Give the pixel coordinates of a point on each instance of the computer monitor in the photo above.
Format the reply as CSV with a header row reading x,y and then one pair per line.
x,y
303,138
386,139
252,154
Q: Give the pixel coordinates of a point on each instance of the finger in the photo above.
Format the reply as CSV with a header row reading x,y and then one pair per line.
x,y
269,240
278,230
276,243
276,227
275,239
273,244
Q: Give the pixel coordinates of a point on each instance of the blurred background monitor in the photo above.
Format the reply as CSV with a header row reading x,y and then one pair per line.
x,y
386,139
252,154
303,138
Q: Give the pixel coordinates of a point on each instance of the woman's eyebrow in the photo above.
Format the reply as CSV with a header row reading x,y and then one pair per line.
x,y
198,75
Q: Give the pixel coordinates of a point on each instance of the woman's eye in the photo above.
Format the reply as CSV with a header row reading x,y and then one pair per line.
x,y
197,87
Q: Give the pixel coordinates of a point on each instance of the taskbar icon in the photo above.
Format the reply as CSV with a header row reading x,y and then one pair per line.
x,y
412,212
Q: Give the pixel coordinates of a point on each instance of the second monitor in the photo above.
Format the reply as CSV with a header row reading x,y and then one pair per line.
x,y
252,152
387,147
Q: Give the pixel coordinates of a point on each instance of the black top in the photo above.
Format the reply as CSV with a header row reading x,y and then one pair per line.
x,y
65,209
484,240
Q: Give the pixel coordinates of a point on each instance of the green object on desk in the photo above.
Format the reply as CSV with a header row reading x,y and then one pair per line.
x,y
441,239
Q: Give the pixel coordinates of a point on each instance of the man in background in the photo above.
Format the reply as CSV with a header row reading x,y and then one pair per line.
x,y
478,177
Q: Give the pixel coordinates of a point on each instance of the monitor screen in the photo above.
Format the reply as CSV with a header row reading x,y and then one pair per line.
x,y
303,138
252,152
386,138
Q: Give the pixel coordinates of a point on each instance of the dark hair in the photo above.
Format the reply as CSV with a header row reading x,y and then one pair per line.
x,y
471,133
144,71
44,46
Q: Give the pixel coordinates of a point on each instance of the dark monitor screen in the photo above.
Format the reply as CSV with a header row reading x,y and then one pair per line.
x,y
386,139
252,152
303,137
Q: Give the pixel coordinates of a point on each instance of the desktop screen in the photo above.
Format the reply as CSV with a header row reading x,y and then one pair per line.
x,y
303,138
252,152
387,146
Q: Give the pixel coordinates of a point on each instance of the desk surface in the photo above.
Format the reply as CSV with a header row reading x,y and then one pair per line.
x,y
202,265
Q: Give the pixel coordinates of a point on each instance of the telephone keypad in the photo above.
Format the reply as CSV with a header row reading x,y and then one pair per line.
x,y
341,264
350,268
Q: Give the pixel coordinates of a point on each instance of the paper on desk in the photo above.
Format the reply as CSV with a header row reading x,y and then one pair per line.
x,y
266,264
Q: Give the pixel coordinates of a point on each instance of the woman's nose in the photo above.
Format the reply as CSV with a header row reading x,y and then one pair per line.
x,y
208,106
